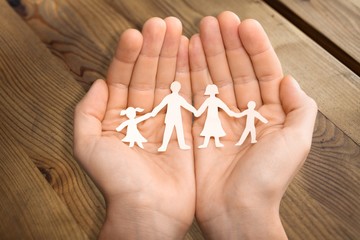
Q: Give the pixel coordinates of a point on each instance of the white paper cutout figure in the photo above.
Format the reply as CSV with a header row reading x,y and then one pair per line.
x,y
212,126
173,118
132,134
250,114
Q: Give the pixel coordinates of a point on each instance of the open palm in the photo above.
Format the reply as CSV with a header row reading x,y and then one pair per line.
x,y
155,191
233,181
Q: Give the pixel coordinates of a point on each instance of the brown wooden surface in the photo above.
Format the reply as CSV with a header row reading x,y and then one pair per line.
x,y
51,51
338,22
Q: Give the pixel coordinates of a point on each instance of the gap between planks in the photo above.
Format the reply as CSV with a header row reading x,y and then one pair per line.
x,y
316,35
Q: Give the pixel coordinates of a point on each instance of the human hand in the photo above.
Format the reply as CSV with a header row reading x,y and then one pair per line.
x,y
239,189
148,195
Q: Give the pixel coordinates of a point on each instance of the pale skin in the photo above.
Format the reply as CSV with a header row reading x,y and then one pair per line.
x,y
151,195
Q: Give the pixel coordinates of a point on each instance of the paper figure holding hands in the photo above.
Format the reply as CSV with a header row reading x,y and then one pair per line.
x,y
212,126
133,135
173,118
250,114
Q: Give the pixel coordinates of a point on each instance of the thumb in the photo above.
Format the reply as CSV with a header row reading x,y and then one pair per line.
x,y
300,110
89,113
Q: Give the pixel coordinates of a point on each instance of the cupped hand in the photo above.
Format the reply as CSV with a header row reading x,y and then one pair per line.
x,y
149,195
239,188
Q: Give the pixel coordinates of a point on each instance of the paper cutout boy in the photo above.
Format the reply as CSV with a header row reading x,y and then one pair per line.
x,y
133,135
173,118
212,126
250,114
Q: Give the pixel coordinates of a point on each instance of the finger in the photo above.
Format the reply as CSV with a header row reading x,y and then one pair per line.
x,y
216,59
120,70
89,113
183,70
264,60
245,83
168,57
183,76
142,84
198,70
300,111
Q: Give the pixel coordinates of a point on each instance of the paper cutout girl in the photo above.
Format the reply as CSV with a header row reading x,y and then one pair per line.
x,y
173,118
132,134
251,114
212,126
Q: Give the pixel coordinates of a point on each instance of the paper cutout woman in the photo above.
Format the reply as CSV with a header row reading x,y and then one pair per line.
x,y
132,134
173,118
251,114
212,126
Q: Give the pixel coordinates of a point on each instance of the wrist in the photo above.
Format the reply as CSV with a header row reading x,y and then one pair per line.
x,y
127,222
245,223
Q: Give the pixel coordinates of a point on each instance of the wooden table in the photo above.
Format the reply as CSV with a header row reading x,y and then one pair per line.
x,y
51,51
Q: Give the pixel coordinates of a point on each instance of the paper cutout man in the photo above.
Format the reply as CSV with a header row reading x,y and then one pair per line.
x,y
212,126
133,135
251,114
173,118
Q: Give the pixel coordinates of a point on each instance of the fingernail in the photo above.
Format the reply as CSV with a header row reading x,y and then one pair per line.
x,y
296,84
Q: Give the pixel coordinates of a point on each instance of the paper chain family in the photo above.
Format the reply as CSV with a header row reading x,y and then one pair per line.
x,y
173,119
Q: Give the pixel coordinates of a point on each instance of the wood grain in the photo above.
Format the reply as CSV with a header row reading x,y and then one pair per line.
x,y
83,34
321,201
43,73
335,23
188,15
29,207
37,99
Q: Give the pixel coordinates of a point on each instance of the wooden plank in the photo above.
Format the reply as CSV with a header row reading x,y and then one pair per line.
x,y
335,21
188,15
29,207
82,34
321,202
319,190
37,99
